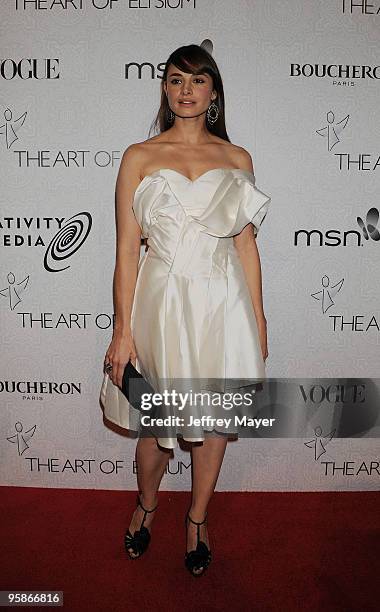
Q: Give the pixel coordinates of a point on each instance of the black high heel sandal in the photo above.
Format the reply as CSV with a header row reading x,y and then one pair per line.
x,y
139,541
201,556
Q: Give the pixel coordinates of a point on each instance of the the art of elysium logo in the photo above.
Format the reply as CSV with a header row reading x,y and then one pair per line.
x,y
13,290
319,442
332,129
21,438
320,445
11,126
327,293
353,322
361,8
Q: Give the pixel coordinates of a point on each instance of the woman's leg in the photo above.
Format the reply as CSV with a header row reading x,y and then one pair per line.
x,y
152,460
207,459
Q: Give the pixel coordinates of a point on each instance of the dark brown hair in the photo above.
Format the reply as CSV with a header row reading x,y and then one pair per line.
x,y
194,59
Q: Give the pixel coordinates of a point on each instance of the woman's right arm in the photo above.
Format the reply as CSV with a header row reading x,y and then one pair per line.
x,y
128,241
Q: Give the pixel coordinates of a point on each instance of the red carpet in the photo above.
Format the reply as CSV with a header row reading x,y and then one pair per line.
x,y
271,551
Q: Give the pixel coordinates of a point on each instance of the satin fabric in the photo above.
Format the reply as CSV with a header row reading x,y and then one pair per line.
x,y
192,316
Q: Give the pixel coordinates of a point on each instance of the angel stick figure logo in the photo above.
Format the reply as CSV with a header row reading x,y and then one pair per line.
x,y
332,129
22,437
369,228
327,293
67,241
11,127
13,291
319,442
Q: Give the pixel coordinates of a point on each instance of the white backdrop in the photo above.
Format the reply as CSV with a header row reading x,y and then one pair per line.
x,y
302,85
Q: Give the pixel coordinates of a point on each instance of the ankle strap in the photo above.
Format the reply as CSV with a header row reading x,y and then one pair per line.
x,y
145,510
195,522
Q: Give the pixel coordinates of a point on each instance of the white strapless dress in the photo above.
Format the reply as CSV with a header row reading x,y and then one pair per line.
x,y
192,315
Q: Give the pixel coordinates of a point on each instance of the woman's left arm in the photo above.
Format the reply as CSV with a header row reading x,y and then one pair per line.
x,y
245,244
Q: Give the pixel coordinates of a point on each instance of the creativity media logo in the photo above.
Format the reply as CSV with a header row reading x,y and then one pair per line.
x,y
67,241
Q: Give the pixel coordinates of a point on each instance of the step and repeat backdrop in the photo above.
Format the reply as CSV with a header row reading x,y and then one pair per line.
x,y
80,82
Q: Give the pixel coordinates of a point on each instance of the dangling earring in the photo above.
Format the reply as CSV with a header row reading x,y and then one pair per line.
x,y
212,109
170,116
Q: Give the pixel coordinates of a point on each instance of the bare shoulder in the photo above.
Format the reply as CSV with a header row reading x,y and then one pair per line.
x,y
234,154
242,158
139,153
133,159
133,154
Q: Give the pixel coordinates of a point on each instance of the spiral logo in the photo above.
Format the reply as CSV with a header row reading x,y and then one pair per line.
x,y
67,241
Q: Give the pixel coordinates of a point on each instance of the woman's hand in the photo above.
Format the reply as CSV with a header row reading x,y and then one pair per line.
x,y
120,351
262,327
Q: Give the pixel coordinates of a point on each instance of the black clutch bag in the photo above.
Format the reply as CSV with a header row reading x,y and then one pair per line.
x,y
134,385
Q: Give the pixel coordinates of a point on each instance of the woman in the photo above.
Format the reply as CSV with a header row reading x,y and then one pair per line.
x,y
192,307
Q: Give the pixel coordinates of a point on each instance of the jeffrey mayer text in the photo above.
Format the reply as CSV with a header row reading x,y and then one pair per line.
x,y
206,421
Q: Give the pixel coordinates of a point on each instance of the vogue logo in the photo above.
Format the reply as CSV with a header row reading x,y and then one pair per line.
x,y
335,71
336,393
28,68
